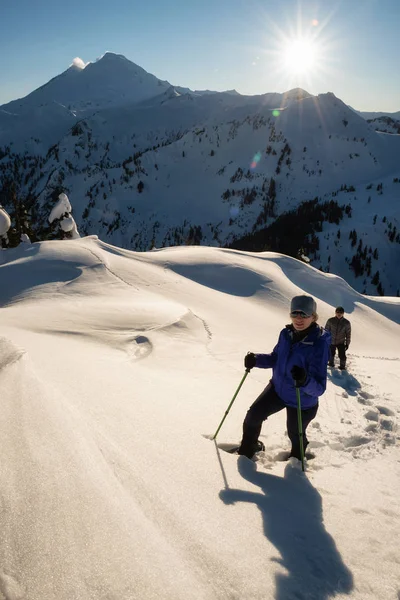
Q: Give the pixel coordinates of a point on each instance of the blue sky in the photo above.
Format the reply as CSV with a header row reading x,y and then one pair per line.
x,y
213,44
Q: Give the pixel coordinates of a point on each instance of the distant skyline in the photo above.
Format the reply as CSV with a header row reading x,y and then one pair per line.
x,y
350,48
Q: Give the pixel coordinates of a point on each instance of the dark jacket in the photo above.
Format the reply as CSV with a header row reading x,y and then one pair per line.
x,y
311,353
340,330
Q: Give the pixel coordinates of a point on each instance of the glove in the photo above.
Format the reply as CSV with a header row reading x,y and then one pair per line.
x,y
299,375
249,361
346,347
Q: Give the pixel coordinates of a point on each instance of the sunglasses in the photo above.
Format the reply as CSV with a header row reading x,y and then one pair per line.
x,y
299,313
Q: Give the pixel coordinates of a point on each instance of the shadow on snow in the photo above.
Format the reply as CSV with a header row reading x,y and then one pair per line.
x,y
291,509
344,380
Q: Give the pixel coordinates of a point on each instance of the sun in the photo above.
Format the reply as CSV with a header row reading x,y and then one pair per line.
x,y
299,56
300,53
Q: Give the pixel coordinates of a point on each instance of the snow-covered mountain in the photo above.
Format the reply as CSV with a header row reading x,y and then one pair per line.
x,y
386,124
46,114
110,81
377,115
146,164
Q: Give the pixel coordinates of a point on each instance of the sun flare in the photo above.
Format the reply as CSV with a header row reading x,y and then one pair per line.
x,y
299,56
302,54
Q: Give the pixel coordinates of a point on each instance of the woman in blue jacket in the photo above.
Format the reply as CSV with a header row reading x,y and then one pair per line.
x,y
300,359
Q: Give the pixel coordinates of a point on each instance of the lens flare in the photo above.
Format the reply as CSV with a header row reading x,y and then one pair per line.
x,y
255,161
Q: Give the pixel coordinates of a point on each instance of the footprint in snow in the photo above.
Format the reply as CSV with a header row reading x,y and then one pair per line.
x,y
385,411
387,424
362,400
371,428
366,395
354,441
371,415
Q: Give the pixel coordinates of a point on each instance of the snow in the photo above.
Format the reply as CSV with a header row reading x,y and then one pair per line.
x,y
61,207
5,221
62,210
116,367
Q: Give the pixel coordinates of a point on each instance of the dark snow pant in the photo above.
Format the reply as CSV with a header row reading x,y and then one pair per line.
x,y
268,403
341,352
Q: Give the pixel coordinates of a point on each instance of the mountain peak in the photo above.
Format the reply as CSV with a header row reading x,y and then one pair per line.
x,y
112,56
297,94
112,80
117,67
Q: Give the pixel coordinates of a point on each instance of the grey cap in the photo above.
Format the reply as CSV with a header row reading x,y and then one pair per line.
x,y
305,304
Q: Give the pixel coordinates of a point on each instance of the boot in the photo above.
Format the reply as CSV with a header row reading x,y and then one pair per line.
x,y
251,450
295,450
260,446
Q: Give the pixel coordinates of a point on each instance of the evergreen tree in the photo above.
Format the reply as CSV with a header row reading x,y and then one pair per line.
x,y
61,214
375,279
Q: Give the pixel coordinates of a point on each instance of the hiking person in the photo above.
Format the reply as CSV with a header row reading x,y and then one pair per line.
x,y
340,330
299,359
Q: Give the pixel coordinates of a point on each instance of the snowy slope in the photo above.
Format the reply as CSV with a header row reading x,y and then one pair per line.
x,y
113,367
386,124
34,129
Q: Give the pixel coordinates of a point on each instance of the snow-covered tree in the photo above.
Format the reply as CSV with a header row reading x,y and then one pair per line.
x,y
302,256
25,239
5,224
61,212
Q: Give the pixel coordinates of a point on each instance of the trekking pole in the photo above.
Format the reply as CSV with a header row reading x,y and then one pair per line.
x,y
231,402
300,427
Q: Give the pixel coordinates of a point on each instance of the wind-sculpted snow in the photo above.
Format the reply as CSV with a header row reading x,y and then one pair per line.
x,y
116,368
9,353
234,279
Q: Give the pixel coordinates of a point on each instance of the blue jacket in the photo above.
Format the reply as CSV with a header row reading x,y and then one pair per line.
x,y
311,353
